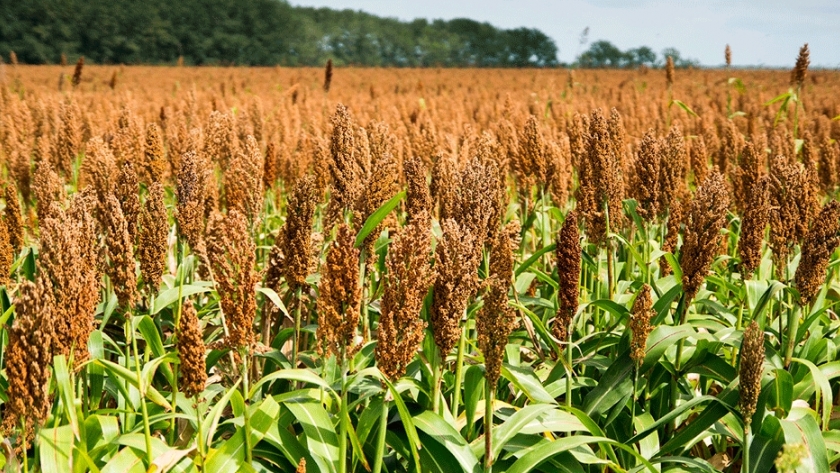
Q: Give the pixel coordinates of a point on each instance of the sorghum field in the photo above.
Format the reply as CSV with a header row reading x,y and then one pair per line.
x,y
393,270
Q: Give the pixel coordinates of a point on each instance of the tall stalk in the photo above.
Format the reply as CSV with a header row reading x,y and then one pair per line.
x,y
380,435
488,428
245,392
147,433
459,369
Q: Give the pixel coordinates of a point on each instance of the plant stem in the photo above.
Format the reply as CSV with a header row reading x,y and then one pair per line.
x,y
437,374
459,371
342,423
488,428
380,435
296,341
247,414
147,432
793,327
569,372
23,443
200,439
745,453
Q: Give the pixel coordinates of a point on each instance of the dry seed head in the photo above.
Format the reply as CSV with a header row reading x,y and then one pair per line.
x,y
800,70
346,174
120,253
793,201
417,196
530,165
821,241
640,324
456,265
407,281
669,71
128,194
192,193
568,254
77,73
646,183
674,169
340,297
232,255
154,233
676,215
69,139
7,255
155,161
68,259
270,166
191,352
750,370
301,467
243,180
727,55
328,75
706,217
296,235
496,319
753,224
14,218
28,358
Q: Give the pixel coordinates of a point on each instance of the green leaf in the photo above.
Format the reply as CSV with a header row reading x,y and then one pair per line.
x,y
662,338
300,375
274,298
166,297
56,449
526,381
806,431
442,432
782,394
535,257
613,386
65,391
823,387
502,434
683,106
231,455
543,452
321,438
377,217
211,422
765,445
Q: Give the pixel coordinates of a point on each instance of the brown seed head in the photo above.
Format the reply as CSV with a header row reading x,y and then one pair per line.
x,y
154,233
345,171
301,468
191,351
456,265
750,370
646,186
328,75
417,196
706,217
232,255
754,222
640,324
77,73
568,254
270,166
68,259
496,319
69,139
120,254
531,164
7,253
295,239
821,241
727,55
699,159
128,194
669,71
155,162
192,193
407,281
243,181
793,201
601,182
14,218
800,70
340,297
674,168
28,357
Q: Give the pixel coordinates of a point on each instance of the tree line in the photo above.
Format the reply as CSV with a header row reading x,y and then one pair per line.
x,y
273,32
255,32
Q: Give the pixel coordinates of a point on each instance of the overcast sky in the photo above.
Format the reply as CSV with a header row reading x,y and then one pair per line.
x,y
760,32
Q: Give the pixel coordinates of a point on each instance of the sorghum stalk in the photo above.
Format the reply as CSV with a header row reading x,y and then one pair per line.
x,y
380,435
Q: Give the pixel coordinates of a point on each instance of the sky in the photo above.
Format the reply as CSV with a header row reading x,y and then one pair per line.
x,y
760,32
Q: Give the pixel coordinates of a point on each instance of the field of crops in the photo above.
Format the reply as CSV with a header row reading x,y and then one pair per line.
x,y
394,270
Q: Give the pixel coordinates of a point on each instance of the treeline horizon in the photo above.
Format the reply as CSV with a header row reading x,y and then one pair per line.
x,y
273,32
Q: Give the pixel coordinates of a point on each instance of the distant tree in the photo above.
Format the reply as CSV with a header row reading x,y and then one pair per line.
x,y
602,54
